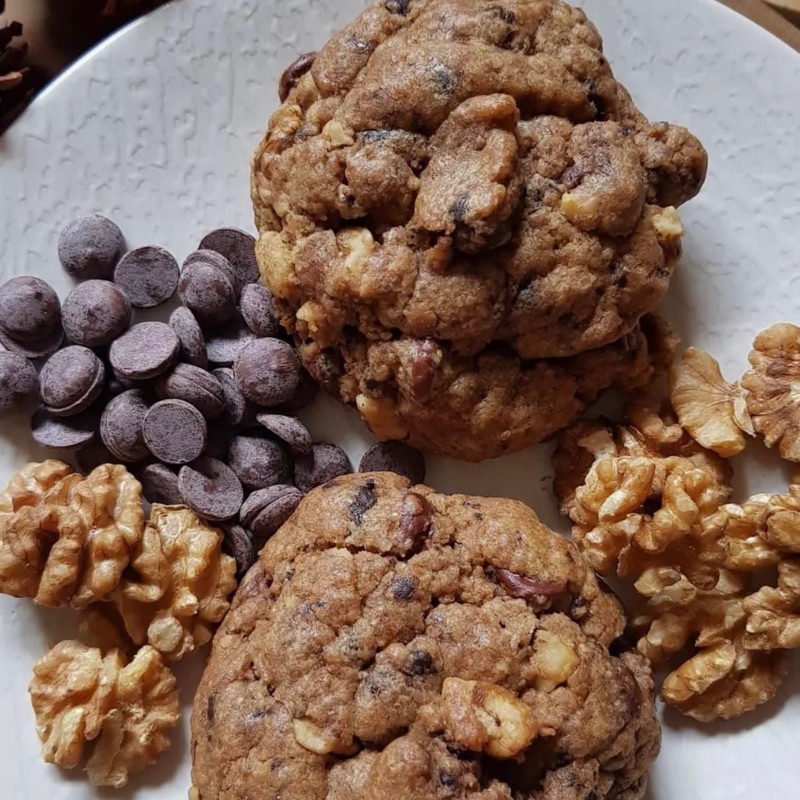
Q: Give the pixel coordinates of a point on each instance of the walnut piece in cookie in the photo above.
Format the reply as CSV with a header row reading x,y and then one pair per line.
x,y
373,663
116,713
713,411
773,388
66,539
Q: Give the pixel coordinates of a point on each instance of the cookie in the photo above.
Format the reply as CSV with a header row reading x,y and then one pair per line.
x,y
478,179
393,643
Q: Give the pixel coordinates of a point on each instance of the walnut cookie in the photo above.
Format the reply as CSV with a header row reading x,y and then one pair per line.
x,y
394,642
466,178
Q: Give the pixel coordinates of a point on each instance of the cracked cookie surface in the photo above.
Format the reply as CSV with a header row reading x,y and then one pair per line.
x,y
397,643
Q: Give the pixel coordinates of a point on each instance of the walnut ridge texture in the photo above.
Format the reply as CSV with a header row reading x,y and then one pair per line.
x,y
455,201
397,643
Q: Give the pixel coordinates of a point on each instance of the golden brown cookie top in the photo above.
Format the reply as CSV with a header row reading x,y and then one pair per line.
x,y
471,172
394,642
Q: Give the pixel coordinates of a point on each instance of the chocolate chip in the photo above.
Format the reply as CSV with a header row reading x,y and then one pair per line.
x,y
208,293
293,73
95,313
146,350
403,588
71,381
423,368
238,543
239,247
258,463
160,485
537,593
39,348
29,309
364,499
396,457
211,489
267,509
223,347
420,663
92,456
210,708
217,260
267,371
19,383
89,247
194,385
258,310
121,426
398,7
303,395
193,343
324,463
288,429
175,432
148,276
63,434
415,520
236,408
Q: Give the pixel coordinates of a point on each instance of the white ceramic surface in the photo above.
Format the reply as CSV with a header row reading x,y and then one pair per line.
x,y
155,129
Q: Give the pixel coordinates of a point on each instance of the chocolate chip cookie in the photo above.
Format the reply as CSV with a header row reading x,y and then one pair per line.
x,y
471,174
394,643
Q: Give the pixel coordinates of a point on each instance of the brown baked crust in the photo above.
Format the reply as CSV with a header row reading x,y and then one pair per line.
x,y
469,172
363,604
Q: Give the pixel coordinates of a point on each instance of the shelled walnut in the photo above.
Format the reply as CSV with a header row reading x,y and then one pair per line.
x,y
65,539
177,587
116,713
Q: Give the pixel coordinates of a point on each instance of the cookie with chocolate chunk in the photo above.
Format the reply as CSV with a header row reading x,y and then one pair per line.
x,y
468,174
396,643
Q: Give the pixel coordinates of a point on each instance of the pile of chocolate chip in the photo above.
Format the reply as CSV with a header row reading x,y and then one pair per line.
x,y
203,406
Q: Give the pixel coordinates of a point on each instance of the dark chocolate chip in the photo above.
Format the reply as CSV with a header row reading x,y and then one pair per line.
x,y
29,309
322,464
121,426
239,247
224,345
288,429
63,434
208,293
396,457
236,409
71,381
403,588
94,455
146,350
537,593
303,395
148,276
415,520
258,463
193,343
258,310
365,498
238,543
217,260
40,348
267,509
160,484
267,371
19,383
211,489
95,313
420,663
194,385
175,432
292,74
89,247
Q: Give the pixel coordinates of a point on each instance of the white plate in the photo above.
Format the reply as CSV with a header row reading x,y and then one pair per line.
x,y
155,129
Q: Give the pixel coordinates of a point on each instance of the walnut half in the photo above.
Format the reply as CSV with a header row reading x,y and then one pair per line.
x,y
120,713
